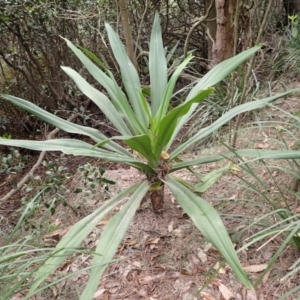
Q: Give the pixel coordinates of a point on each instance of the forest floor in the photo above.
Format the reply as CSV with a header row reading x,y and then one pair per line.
x,y
165,257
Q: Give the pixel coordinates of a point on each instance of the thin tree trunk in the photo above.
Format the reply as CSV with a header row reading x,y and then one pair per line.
x,y
127,33
211,26
224,45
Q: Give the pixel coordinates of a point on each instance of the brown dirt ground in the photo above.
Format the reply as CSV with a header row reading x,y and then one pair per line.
x,y
164,256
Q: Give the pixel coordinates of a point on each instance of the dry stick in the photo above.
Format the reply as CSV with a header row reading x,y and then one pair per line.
x,y
199,22
248,72
140,27
236,27
236,22
36,165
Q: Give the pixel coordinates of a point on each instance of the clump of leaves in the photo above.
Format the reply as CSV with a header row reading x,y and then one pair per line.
x,y
13,162
94,177
147,126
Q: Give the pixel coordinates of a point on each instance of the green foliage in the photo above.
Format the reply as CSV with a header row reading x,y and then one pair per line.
x,y
294,24
31,52
13,162
93,178
149,128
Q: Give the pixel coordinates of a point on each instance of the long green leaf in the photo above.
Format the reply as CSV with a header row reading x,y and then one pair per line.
x,y
129,74
256,154
74,238
115,93
100,100
208,221
224,119
110,240
142,144
169,122
220,71
214,76
66,126
157,66
210,179
77,147
168,93
171,52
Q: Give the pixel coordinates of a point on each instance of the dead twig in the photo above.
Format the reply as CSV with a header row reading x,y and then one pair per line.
x,y
199,22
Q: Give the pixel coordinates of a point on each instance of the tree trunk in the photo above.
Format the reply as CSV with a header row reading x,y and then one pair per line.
x,y
224,45
127,34
157,199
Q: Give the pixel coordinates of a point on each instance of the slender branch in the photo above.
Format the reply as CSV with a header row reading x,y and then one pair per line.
x,y
249,70
236,27
199,22
140,27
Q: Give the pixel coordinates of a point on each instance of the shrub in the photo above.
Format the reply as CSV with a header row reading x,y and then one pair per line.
x,y
148,127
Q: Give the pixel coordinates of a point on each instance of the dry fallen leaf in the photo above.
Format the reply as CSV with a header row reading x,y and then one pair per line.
x,y
233,197
207,247
18,296
261,146
266,277
234,169
207,296
226,293
255,268
251,295
184,272
137,264
57,222
98,294
177,231
146,279
55,236
202,255
152,243
170,226
220,270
